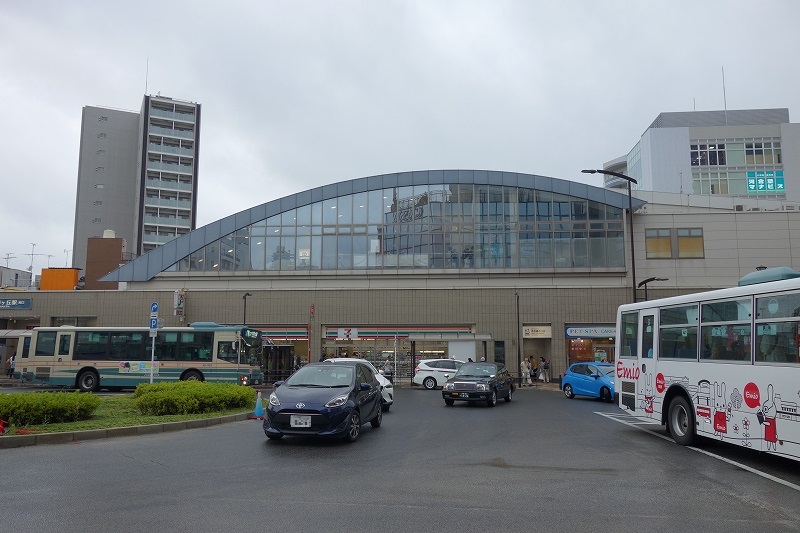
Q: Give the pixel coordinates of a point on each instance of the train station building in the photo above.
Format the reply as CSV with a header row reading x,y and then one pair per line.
x,y
463,263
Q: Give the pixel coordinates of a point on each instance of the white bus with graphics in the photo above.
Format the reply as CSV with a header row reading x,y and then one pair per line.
x,y
722,364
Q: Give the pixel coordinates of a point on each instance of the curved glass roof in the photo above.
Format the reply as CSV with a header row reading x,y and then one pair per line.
x,y
435,220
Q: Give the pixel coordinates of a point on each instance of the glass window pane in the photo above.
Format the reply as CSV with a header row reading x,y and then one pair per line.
x,y
329,258
287,255
303,259
272,247
360,208
344,210
329,214
257,252
241,253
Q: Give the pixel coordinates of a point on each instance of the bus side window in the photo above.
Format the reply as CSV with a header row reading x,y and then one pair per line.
x,y
647,336
63,344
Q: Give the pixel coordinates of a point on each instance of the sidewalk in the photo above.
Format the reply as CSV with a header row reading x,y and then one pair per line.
x,y
12,382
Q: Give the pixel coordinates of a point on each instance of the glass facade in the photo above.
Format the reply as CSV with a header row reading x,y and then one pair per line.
x,y
432,226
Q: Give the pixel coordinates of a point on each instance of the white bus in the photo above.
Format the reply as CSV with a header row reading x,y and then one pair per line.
x,y
722,364
90,358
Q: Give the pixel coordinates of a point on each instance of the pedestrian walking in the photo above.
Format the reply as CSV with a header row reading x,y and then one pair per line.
x,y
532,369
388,370
544,370
11,363
525,373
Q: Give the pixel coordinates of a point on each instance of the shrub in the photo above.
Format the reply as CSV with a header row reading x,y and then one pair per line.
x,y
187,397
33,408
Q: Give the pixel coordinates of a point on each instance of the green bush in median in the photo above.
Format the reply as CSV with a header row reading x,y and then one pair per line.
x,y
185,397
33,408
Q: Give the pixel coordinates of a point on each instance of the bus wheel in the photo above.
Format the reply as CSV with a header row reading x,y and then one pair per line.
x,y
680,421
88,381
192,375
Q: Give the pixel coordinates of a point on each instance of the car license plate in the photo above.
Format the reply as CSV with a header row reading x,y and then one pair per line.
x,y
463,395
300,421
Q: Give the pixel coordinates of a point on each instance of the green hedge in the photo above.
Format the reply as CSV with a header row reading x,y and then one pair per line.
x,y
32,408
187,397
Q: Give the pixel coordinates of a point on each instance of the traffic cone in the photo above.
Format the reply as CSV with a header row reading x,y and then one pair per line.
x,y
259,412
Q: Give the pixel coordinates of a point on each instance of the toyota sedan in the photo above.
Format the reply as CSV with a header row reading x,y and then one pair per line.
x,y
479,382
325,399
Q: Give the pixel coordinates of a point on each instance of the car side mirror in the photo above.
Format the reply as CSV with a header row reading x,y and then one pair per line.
x,y
365,386
447,376
278,383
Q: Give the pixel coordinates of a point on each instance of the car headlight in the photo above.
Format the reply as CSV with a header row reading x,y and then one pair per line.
x,y
448,386
338,401
482,387
273,400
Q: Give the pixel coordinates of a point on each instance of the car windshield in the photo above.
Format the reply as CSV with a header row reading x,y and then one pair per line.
x,y
353,360
322,376
607,370
476,370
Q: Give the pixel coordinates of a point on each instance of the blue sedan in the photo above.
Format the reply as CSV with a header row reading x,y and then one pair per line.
x,y
589,379
325,399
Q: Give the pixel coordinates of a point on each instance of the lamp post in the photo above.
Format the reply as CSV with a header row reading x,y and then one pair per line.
x,y
630,216
244,308
519,347
644,283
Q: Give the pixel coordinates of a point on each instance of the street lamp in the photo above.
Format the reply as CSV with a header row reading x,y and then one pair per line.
x,y
244,308
630,216
519,347
644,283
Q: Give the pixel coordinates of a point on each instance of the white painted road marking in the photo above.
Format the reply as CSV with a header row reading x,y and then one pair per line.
x,y
637,424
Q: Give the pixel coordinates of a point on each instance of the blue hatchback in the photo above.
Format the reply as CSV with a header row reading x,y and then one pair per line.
x,y
325,399
589,379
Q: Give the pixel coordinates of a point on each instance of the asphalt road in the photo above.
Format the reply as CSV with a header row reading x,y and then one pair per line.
x,y
539,463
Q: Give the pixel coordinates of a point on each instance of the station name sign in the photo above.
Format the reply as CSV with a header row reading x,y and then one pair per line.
x,y
15,303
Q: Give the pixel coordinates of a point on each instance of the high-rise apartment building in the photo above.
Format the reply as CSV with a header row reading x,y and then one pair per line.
x,y
137,174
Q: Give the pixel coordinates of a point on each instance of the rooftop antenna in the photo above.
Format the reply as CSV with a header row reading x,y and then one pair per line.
x,y
724,97
7,257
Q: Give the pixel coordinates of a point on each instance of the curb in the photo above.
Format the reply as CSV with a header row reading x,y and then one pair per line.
x,y
17,441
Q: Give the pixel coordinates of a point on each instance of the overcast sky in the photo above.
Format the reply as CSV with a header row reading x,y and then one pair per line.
x,y
300,94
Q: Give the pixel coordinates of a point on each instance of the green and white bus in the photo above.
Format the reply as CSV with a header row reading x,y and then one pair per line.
x,y
91,358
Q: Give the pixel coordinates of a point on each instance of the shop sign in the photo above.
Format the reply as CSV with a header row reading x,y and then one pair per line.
x,y
537,332
593,332
347,334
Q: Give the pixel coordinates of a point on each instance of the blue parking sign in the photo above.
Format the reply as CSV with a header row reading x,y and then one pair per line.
x,y
153,323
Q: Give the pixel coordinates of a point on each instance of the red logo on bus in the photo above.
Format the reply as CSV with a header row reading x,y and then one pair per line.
x,y
752,396
660,384
627,372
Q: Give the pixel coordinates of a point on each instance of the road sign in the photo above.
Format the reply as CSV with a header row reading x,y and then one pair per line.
x,y
154,323
154,307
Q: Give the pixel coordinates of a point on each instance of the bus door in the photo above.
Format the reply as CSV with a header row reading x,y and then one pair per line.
x,y
637,344
648,347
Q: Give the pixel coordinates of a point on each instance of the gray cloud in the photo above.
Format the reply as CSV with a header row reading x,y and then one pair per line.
x,y
300,94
